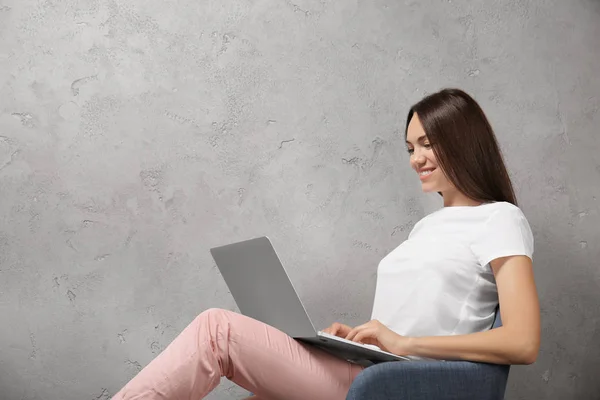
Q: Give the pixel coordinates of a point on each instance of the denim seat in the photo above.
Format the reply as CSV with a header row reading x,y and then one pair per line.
x,y
424,380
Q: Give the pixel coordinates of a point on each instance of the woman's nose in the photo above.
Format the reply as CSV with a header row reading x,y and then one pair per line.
x,y
418,159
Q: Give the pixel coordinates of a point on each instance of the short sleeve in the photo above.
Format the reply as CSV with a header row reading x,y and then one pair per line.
x,y
505,233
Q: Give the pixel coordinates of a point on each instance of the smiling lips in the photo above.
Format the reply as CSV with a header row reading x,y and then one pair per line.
x,y
425,173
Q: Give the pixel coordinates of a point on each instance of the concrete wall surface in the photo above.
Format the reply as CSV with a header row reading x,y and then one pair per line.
x,y
135,135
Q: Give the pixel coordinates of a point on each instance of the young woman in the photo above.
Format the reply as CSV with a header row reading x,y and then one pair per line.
x,y
436,296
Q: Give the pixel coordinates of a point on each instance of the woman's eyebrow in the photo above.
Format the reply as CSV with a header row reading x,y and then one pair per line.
x,y
420,140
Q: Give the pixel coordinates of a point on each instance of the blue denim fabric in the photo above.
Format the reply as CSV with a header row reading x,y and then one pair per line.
x,y
421,380
439,380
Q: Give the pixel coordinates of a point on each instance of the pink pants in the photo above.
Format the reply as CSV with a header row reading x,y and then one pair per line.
x,y
250,353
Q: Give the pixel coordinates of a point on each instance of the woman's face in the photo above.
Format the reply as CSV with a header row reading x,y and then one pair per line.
x,y
422,159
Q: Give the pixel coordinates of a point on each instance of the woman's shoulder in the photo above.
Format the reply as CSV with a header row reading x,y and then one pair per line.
x,y
473,215
504,208
490,208
507,217
504,205
504,231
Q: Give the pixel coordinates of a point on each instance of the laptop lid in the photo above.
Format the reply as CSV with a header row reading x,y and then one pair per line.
x,y
261,287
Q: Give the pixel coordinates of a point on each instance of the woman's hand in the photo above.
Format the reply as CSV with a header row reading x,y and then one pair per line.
x,y
374,332
338,329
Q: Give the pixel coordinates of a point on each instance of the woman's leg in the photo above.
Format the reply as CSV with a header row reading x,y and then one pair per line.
x,y
254,355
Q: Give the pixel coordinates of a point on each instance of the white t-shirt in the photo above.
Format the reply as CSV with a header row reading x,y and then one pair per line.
x,y
439,281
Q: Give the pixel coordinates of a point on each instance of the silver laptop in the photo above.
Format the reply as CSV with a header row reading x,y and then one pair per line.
x,y
262,290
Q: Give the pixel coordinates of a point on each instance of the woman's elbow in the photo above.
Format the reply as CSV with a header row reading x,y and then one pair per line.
x,y
525,353
527,357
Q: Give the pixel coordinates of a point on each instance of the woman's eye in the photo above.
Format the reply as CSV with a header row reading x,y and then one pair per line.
x,y
410,151
427,145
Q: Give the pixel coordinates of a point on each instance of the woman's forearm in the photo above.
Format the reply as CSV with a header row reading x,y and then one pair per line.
x,y
497,346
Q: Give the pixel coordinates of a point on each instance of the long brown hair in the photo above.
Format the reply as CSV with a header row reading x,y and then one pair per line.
x,y
464,145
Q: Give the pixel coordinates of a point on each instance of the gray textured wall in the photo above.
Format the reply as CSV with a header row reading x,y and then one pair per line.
x,y
135,135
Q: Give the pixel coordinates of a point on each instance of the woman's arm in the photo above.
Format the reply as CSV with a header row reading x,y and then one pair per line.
x,y
516,342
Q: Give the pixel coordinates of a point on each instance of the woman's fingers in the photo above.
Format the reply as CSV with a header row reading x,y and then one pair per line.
x,y
343,330
334,329
353,332
364,336
338,329
366,333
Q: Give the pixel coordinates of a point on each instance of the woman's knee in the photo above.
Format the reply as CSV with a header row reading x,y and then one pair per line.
x,y
214,314
208,313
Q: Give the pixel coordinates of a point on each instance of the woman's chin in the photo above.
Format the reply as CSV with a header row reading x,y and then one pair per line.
x,y
427,188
